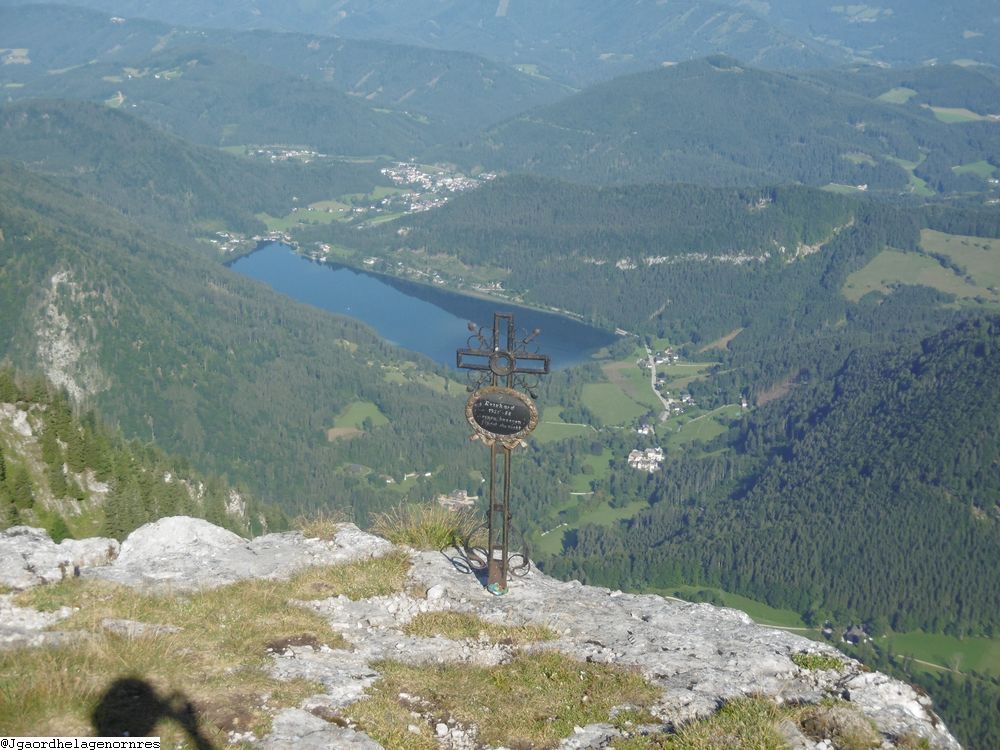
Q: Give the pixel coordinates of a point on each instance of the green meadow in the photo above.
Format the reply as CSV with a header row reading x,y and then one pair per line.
x,y
892,267
962,654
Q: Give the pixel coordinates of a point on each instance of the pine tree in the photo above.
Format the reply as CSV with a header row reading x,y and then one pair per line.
x,y
21,489
8,389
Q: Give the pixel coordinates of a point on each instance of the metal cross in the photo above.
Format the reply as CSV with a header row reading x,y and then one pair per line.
x,y
503,357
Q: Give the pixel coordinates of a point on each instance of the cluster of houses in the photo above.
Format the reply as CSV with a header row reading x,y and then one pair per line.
x,y
456,500
648,459
277,153
433,184
230,242
673,405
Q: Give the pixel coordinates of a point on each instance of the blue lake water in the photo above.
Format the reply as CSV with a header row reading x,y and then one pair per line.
x,y
414,316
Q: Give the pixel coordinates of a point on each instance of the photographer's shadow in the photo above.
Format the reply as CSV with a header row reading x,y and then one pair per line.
x,y
131,707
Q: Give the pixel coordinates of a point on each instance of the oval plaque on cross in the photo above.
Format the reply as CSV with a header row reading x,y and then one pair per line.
x,y
501,415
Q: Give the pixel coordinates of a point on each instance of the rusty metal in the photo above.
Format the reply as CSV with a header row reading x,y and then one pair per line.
x,y
501,417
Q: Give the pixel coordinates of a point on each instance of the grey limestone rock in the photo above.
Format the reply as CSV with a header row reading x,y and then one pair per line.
x,y
23,626
182,553
699,655
29,557
296,729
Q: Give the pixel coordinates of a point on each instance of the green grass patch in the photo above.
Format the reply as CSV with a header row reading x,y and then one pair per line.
x,y
533,701
355,414
812,661
841,189
409,372
633,380
978,256
703,426
551,427
609,403
898,95
952,115
600,467
892,267
605,515
917,186
981,168
962,654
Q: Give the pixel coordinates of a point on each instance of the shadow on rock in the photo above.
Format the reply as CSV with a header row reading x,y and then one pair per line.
x,y
131,707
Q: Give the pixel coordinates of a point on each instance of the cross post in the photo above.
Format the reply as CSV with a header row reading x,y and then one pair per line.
x,y
503,363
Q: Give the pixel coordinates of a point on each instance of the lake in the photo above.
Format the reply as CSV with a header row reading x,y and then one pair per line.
x,y
423,319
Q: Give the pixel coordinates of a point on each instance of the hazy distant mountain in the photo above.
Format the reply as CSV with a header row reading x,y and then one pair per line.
x,y
454,90
897,33
719,122
576,41
219,98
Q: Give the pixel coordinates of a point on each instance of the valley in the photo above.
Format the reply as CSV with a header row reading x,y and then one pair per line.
x,y
766,264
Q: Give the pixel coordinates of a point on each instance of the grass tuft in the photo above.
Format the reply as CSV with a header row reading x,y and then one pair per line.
x,y
427,525
531,702
460,625
323,524
847,727
812,661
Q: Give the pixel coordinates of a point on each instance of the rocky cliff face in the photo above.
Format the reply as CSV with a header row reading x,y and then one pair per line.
x,y
697,656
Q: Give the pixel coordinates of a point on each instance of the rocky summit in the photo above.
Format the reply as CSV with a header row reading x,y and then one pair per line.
x,y
698,656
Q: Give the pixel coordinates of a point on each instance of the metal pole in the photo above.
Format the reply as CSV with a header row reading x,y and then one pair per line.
x,y
496,582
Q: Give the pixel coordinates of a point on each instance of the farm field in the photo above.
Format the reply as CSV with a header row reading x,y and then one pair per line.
x,y
981,168
350,421
609,404
898,95
633,381
551,427
892,267
964,654
683,430
954,114
978,256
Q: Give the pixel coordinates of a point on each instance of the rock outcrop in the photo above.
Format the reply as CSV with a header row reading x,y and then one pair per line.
x,y
699,655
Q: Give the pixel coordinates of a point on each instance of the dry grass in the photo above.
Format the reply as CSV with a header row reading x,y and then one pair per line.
x,y
531,702
323,524
845,725
217,662
428,526
753,723
461,625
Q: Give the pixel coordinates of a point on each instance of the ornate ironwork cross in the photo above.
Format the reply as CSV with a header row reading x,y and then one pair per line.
x,y
501,416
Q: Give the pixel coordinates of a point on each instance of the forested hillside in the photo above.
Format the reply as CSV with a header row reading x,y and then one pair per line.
x,y
868,496
215,368
159,179
718,121
73,476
